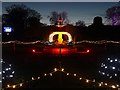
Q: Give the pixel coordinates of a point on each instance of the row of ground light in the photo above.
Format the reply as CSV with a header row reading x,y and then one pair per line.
x,y
99,84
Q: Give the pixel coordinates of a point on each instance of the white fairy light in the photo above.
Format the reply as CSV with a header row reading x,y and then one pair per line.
x,y
67,73
38,77
94,80
33,78
115,74
110,77
3,77
111,60
50,74
107,74
14,86
100,85
105,66
3,71
6,69
8,85
45,74
21,84
106,84
55,69
80,78
10,75
117,85
116,60
101,82
113,67
74,74
62,69
13,72
87,80
10,65
113,86
103,73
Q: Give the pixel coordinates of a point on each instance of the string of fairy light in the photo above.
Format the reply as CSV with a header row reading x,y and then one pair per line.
x,y
99,84
110,68
7,70
79,42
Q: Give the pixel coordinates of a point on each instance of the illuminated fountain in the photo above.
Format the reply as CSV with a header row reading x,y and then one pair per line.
x,y
60,34
59,46
60,38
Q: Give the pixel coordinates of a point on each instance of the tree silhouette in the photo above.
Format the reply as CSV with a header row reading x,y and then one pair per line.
x,y
21,16
54,16
113,15
80,23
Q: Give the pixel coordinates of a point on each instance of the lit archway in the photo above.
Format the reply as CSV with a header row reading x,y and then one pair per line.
x,y
60,39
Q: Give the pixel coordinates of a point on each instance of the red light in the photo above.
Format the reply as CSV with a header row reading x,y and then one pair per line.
x,y
88,51
33,50
60,51
55,51
60,20
64,51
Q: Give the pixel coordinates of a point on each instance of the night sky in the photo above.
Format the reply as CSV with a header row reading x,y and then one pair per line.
x,y
85,11
59,0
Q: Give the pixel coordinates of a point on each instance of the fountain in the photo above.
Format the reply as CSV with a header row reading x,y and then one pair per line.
x,y
60,34
60,46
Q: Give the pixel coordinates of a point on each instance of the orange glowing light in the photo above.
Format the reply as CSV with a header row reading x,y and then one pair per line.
x,y
60,26
60,39
60,20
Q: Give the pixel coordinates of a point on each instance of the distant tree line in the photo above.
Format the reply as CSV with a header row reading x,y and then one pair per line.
x,y
28,27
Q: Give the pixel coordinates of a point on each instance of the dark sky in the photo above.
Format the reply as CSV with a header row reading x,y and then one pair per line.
x,y
85,11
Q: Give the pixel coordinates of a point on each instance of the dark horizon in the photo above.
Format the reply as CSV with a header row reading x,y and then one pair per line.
x,y
84,11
